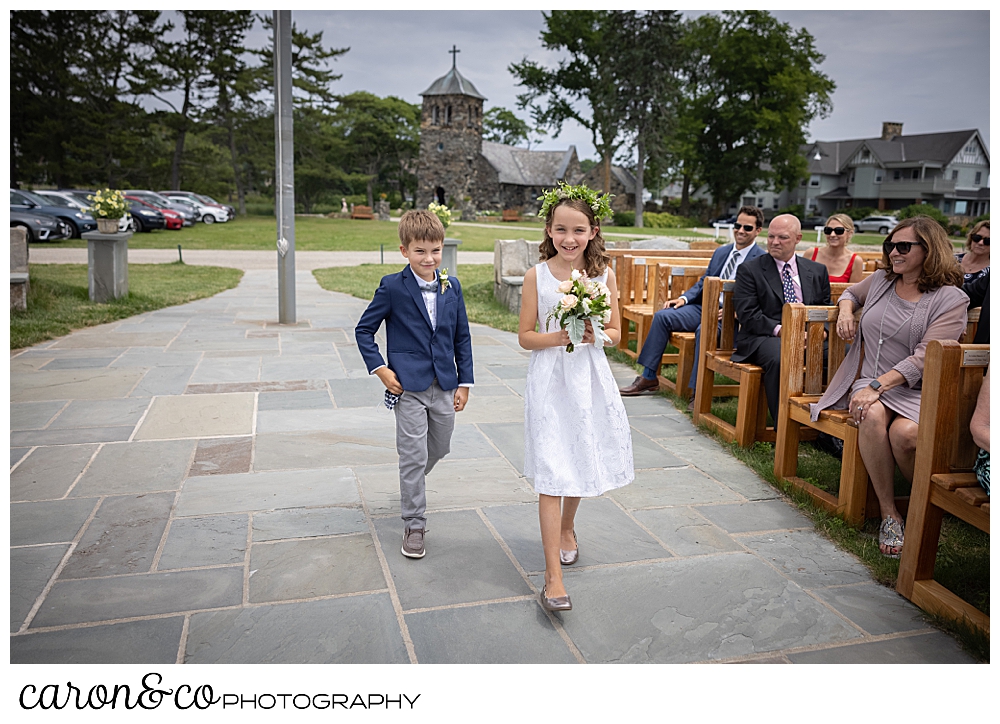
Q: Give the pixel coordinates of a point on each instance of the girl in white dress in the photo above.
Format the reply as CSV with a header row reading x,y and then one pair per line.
x,y
576,434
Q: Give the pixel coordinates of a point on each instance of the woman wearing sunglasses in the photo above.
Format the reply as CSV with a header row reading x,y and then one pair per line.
x,y
975,260
915,299
840,263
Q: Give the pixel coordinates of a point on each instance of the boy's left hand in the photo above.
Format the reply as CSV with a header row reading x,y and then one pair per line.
x,y
461,397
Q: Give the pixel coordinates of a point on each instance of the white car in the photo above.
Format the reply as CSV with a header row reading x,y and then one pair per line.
x,y
208,214
64,198
881,224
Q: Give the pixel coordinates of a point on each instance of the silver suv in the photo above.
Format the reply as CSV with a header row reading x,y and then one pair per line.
x,y
881,224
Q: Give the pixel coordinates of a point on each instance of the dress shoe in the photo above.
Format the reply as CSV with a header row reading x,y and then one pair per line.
x,y
568,558
640,386
557,603
690,407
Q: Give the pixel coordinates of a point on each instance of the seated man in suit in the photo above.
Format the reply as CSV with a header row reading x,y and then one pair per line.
x,y
683,314
763,285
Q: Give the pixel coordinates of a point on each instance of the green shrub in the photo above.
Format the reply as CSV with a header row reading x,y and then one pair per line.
x,y
260,207
795,210
924,210
981,217
625,218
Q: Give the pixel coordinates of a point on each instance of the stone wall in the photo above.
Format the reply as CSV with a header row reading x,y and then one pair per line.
x,y
450,149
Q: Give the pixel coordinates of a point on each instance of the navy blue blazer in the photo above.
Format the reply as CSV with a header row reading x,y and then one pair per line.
x,y
715,267
417,353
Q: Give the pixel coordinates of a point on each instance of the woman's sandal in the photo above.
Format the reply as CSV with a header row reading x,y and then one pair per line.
x,y
890,535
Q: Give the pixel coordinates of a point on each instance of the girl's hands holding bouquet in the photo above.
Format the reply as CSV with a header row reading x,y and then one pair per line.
x,y
583,311
562,336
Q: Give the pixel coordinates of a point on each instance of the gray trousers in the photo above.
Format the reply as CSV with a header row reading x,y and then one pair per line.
x,y
424,423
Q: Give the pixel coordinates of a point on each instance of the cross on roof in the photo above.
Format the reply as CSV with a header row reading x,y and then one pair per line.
x,y
454,54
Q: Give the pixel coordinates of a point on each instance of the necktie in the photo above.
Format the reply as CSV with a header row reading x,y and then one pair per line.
x,y
727,273
786,284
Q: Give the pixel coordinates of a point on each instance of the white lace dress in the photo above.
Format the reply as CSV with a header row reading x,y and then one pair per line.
x,y
577,441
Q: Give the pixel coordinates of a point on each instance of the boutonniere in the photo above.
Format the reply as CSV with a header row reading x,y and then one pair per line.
x,y
445,282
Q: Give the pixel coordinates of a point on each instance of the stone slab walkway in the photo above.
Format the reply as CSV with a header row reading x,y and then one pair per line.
x,y
200,484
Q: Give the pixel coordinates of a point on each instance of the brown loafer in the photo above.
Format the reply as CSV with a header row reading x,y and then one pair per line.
x,y
640,386
556,603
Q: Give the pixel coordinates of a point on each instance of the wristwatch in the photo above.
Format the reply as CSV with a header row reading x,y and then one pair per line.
x,y
875,385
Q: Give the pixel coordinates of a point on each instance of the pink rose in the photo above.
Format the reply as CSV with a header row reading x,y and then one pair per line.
x,y
568,302
565,287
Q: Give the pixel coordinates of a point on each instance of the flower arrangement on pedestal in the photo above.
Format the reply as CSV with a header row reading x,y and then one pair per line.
x,y
109,205
442,212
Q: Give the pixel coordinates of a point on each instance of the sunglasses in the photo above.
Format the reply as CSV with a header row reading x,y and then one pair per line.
x,y
838,230
903,247
744,227
980,237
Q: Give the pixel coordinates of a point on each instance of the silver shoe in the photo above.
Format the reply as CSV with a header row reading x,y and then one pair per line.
x,y
556,603
568,558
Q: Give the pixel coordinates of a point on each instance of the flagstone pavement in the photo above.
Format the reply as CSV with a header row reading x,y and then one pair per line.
x,y
200,484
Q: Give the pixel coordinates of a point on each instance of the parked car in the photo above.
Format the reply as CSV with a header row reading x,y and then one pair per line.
x,y
809,223
172,219
163,204
202,198
208,214
39,225
78,221
65,198
881,224
726,219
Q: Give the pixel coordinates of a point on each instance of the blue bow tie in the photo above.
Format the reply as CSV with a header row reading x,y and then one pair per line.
x,y
427,286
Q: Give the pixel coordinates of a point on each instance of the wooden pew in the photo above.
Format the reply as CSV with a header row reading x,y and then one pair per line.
x,y
681,279
362,212
751,414
802,328
636,292
953,374
510,215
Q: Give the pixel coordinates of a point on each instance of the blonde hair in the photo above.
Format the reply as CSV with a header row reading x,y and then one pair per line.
x,y
940,268
984,224
594,256
846,221
420,225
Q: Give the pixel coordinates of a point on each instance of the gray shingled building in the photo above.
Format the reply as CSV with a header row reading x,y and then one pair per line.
x,y
456,167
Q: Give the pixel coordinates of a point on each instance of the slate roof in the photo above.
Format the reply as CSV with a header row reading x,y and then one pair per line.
x,y
522,167
929,148
453,83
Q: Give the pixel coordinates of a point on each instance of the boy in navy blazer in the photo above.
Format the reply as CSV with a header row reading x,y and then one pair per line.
x,y
427,336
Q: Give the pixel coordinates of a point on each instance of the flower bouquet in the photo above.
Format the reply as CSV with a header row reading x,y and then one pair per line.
x,y
442,212
108,204
584,300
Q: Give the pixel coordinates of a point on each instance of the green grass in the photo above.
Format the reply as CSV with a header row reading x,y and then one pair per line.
x,y
311,234
477,288
963,561
58,299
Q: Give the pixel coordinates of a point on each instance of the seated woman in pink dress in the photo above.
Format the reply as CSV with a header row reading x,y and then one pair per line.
x,y
917,298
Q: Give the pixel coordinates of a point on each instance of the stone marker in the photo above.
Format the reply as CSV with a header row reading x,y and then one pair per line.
x,y
19,268
449,256
107,265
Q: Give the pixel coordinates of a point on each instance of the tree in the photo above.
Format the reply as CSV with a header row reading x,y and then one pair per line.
x,y
381,136
586,76
231,84
645,64
502,126
183,67
752,86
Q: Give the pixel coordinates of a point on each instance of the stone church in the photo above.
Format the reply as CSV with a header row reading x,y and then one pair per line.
x,y
458,168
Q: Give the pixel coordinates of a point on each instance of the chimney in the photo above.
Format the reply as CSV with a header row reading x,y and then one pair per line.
x,y
890,130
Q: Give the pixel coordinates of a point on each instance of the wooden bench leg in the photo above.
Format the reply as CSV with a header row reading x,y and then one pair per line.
x,y
703,391
685,362
853,494
747,412
786,446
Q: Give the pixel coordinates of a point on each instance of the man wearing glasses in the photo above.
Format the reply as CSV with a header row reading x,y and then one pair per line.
x,y
763,286
683,314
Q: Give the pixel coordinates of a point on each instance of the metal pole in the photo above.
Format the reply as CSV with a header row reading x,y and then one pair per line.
x,y
284,192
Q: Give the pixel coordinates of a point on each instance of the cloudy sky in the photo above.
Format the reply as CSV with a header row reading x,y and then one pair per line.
x,y
927,69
